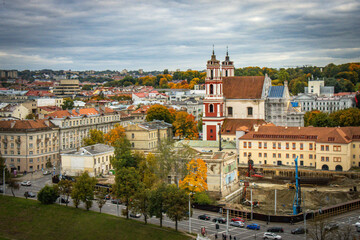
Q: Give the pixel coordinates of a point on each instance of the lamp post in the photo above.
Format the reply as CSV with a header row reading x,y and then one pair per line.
x,y
189,214
4,186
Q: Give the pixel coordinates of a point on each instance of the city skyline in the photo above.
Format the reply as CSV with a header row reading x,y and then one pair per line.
x,y
116,35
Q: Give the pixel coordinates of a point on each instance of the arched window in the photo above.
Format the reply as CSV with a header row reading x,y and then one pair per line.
x,y
226,73
211,108
338,168
211,89
211,74
325,167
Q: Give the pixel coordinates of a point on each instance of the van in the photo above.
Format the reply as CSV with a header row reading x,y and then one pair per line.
x,y
275,229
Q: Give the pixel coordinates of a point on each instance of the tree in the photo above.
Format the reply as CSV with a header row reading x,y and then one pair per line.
x,y
126,185
185,126
115,134
202,198
96,136
83,189
159,112
195,181
200,123
100,197
147,169
48,163
122,155
87,87
346,117
47,195
65,188
157,202
13,185
2,166
176,204
76,197
140,203
30,116
68,104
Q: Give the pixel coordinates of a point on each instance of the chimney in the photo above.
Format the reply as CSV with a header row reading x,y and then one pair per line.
x,y
93,147
77,110
47,123
12,124
256,128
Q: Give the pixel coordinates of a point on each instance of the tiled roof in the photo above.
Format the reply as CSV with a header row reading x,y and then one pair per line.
x,y
230,125
317,134
246,87
14,125
92,150
205,144
142,109
276,91
50,108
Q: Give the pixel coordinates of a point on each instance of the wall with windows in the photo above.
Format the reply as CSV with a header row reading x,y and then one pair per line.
x,y
246,109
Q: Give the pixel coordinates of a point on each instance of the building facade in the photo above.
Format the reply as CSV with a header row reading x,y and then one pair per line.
x,y
67,88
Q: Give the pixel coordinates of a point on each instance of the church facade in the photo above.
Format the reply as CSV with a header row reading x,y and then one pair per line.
x,y
238,103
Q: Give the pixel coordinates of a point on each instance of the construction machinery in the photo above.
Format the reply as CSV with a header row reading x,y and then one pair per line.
x,y
251,171
297,197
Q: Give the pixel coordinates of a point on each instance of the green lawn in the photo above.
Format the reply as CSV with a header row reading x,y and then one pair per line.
x,y
28,219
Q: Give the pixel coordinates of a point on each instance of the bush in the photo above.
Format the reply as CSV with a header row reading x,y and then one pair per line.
x,y
202,198
47,195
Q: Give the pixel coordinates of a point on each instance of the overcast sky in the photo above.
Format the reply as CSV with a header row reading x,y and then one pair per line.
x,y
154,35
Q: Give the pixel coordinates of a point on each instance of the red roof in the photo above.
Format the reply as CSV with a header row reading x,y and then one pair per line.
x,y
25,124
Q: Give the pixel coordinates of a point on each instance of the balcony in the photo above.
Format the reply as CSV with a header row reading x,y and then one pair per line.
x,y
5,140
18,140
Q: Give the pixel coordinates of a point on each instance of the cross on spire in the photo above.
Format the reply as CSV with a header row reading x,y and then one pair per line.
x,y
213,50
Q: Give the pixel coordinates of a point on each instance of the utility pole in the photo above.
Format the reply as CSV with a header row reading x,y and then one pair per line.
x,y
251,204
189,215
227,221
304,216
4,178
275,201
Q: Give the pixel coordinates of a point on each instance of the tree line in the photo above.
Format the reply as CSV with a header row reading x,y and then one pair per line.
x,y
342,118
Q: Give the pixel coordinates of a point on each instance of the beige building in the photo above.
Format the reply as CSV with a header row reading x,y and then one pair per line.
x,y
94,159
67,88
146,136
27,145
13,110
319,148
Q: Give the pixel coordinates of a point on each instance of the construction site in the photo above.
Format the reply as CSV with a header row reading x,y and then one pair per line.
x,y
290,191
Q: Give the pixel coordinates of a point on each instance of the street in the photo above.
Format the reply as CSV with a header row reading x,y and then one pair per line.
x,y
196,224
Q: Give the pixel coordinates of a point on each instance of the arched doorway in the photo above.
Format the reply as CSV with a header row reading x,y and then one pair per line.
x,y
325,167
338,168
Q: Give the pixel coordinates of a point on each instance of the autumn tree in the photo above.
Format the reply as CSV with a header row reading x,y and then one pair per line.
x,y
65,188
185,126
95,136
346,117
195,181
141,201
159,112
176,204
115,134
148,168
126,185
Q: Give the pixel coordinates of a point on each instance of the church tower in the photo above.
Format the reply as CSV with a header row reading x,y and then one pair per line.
x,y
227,66
213,101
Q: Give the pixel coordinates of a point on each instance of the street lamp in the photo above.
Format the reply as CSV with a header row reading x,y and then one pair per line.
x,y
190,185
4,186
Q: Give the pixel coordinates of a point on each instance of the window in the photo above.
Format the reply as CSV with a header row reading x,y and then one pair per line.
x,y
353,145
279,145
31,153
274,155
322,147
265,145
310,146
245,154
310,156
337,148
327,147
265,154
94,161
250,111
259,144
249,144
301,146
293,156
279,155
322,159
260,155
274,145
287,155
294,146
132,144
211,108
301,156
337,159
244,144
327,159
132,135
211,74
287,145
211,87
230,111
354,156
31,138
30,160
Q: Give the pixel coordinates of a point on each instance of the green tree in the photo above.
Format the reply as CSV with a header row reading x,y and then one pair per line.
x,y
126,185
47,195
140,203
176,204
30,116
321,120
202,198
148,168
2,166
96,136
123,156
65,188
100,197
346,117
159,112
157,202
87,87
13,185
68,104
83,189
283,75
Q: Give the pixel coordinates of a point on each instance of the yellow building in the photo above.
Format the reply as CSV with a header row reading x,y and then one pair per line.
x,y
94,159
146,136
320,148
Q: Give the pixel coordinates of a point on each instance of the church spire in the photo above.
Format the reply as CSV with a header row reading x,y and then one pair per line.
x,y
227,51
213,50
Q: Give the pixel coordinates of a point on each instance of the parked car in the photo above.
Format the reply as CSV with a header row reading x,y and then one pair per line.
x,y
268,235
358,229
219,220
63,200
135,215
29,194
253,226
115,201
204,217
299,230
107,197
331,226
26,183
237,224
357,224
46,173
1,190
275,229
235,219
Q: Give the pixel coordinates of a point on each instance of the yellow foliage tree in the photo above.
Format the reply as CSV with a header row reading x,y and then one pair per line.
x,y
185,125
195,181
114,134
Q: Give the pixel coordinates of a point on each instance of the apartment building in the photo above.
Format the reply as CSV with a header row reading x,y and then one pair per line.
x,y
27,145
319,148
67,88
13,110
146,136
94,159
74,125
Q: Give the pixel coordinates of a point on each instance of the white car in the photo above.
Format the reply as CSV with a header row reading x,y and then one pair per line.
x,y
237,224
268,235
26,183
357,224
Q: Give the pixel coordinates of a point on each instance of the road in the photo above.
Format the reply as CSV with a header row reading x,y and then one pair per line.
x,y
196,224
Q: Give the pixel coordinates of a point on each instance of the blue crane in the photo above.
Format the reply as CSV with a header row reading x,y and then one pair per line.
x,y
297,198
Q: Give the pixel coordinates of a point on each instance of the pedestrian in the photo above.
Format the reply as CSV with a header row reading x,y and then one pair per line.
x,y
215,235
234,237
230,237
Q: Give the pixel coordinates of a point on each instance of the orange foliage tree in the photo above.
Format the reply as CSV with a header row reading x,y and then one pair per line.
x,y
114,134
195,181
185,125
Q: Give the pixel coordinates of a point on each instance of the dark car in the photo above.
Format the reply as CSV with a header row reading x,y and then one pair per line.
x,y
331,226
299,230
204,217
1,190
275,229
29,194
63,200
116,201
219,220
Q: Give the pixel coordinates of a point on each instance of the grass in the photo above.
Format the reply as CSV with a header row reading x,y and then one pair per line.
x,y
28,219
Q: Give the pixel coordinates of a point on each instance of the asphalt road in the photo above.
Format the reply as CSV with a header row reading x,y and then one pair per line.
x,y
196,224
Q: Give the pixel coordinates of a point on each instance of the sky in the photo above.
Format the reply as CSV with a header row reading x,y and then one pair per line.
x,y
160,34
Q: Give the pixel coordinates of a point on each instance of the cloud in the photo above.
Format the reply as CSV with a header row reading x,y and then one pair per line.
x,y
109,34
